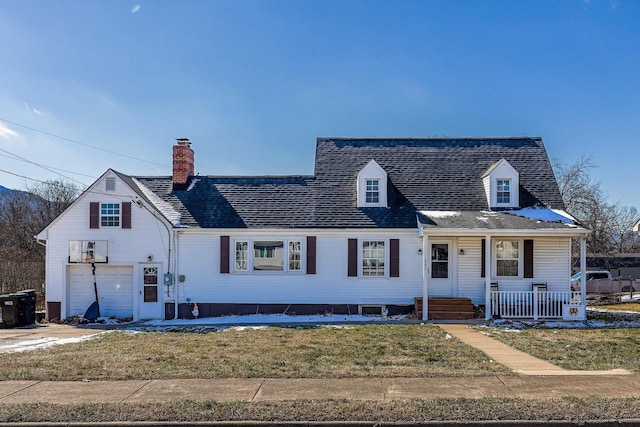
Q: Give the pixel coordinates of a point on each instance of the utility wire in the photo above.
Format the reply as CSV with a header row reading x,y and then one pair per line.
x,y
23,176
82,143
43,167
52,167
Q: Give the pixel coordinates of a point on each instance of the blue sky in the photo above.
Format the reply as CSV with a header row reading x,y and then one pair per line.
x,y
253,83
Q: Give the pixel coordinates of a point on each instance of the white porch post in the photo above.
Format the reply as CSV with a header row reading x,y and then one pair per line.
x,y
583,271
487,277
425,275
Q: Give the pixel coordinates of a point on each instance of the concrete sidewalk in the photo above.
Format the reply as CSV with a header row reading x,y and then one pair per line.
x,y
259,390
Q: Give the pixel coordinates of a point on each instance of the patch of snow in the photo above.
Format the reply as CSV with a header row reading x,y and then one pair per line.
x,y
193,184
544,214
43,343
439,214
163,207
269,319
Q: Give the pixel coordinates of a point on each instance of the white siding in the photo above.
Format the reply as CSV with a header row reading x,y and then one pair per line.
x,y
552,262
470,283
199,263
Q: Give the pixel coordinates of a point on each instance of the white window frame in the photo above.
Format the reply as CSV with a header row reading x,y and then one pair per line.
x,y
245,260
294,256
502,191
373,191
286,258
110,215
520,258
361,257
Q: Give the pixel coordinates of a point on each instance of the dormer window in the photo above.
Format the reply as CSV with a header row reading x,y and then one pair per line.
x,y
503,191
373,191
372,186
501,184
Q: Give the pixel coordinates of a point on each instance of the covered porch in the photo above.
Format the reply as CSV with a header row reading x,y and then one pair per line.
x,y
515,273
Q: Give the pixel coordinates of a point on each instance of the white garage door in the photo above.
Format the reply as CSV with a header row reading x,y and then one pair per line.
x,y
115,290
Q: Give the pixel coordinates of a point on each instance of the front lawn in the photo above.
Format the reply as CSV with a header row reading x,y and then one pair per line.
x,y
273,352
577,349
625,306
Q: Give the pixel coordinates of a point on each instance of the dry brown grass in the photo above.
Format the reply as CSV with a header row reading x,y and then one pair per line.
x,y
274,352
578,349
625,306
407,411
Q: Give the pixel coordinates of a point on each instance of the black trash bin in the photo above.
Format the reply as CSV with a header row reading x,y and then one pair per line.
x,y
20,308
9,308
29,306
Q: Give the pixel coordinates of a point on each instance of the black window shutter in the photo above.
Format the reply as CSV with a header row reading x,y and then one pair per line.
x,y
528,259
126,215
311,254
483,256
224,254
394,258
94,215
352,258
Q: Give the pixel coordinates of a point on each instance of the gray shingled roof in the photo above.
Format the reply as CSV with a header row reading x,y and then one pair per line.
x,y
424,174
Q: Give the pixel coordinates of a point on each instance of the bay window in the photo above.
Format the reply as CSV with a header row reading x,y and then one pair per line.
x,y
268,255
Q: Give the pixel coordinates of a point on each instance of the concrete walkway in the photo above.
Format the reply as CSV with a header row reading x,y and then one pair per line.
x,y
516,360
261,389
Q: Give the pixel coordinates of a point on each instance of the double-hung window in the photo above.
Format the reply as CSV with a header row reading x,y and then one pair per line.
x,y
373,258
110,214
295,260
372,193
503,187
268,255
242,256
507,258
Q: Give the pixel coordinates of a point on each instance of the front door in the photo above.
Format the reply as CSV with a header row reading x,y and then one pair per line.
x,y
440,280
150,292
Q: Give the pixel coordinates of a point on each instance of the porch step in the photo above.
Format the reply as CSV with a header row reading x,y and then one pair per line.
x,y
447,308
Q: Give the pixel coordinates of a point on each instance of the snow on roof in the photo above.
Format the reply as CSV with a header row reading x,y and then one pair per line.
x,y
439,214
163,207
544,214
193,184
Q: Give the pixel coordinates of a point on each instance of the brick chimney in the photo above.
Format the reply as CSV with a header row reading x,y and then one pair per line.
x,y
182,163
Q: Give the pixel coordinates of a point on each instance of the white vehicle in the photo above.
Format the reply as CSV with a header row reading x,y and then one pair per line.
x,y
601,282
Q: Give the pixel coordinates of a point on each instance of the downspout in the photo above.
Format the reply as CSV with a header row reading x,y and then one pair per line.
x,y
583,272
487,277
425,278
177,282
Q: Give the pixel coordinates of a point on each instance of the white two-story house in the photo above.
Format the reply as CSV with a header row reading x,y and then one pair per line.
x,y
381,226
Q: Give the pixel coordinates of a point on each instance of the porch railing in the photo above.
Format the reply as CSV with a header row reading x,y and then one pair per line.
x,y
532,304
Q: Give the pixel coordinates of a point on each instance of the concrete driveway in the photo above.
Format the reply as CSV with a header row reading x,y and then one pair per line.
x,y
42,336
